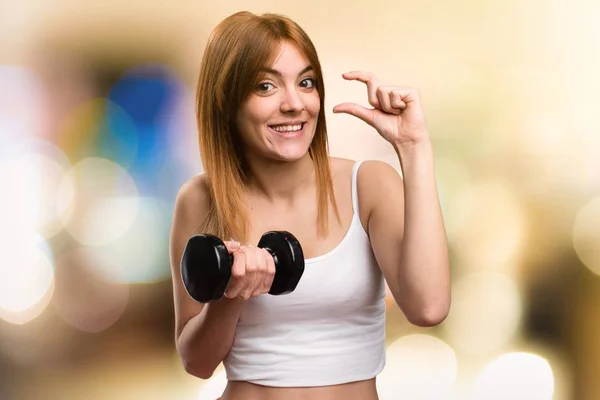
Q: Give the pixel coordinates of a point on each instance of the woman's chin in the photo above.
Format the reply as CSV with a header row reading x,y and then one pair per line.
x,y
290,154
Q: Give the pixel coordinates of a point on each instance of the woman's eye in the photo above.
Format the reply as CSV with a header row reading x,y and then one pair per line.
x,y
307,83
264,86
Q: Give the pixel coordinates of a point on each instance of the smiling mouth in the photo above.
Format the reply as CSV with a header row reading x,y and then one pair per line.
x,y
287,131
290,128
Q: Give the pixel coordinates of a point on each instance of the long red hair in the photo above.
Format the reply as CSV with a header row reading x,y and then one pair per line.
x,y
237,49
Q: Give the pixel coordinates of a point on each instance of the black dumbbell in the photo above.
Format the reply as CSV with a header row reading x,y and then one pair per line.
x,y
206,265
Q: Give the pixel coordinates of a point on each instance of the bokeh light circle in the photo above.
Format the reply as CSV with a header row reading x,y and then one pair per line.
x,y
98,200
515,376
485,312
418,367
31,178
83,298
141,254
493,227
99,128
26,276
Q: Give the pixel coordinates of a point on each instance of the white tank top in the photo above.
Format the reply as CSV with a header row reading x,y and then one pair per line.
x,y
330,330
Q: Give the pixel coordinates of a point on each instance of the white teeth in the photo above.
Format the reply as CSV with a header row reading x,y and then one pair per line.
x,y
287,128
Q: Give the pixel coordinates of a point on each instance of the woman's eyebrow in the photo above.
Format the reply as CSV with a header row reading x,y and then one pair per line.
x,y
275,72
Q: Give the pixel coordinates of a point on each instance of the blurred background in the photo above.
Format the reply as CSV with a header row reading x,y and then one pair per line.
x,y
97,133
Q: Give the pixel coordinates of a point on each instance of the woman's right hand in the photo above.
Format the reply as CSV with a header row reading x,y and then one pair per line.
x,y
252,271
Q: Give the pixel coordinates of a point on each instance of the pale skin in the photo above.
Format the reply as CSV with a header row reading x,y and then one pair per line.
x,y
401,216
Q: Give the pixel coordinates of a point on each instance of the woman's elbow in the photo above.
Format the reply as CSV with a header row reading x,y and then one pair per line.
x,y
430,316
195,369
192,364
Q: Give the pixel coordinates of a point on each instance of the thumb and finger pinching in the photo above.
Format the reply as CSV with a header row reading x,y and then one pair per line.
x,y
356,110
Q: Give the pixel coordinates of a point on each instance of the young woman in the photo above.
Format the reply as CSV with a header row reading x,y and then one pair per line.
x,y
263,142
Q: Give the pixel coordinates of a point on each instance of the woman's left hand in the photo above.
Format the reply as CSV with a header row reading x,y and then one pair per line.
x,y
397,114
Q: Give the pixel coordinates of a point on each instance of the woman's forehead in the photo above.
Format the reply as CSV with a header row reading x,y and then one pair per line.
x,y
289,61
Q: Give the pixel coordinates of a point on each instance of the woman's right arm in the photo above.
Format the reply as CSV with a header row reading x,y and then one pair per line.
x,y
204,332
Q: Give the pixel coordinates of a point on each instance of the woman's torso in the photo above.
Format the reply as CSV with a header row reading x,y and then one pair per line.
x,y
363,390
301,223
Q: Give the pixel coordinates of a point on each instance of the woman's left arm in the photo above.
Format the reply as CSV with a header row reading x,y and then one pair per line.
x,y
406,226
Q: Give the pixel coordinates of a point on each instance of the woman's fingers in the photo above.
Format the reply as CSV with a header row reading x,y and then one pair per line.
x,y
269,272
370,80
238,272
252,273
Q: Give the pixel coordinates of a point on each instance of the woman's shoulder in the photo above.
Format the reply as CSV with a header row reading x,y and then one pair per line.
x,y
373,179
193,196
339,164
196,186
369,170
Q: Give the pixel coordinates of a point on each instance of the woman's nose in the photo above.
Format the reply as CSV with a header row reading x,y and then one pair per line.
x,y
291,102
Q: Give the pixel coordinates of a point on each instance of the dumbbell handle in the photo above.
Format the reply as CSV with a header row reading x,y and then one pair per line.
x,y
271,252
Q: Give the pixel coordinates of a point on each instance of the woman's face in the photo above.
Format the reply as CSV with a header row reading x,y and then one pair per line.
x,y
279,118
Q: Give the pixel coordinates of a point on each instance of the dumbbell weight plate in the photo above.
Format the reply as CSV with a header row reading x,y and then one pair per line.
x,y
289,260
205,268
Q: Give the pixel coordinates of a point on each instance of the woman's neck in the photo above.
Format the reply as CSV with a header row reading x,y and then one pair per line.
x,y
281,182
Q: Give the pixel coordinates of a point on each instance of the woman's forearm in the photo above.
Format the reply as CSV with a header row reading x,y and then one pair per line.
x,y
206,339
424,268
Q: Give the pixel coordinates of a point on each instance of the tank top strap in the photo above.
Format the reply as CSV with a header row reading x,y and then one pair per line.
x,y
355,186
